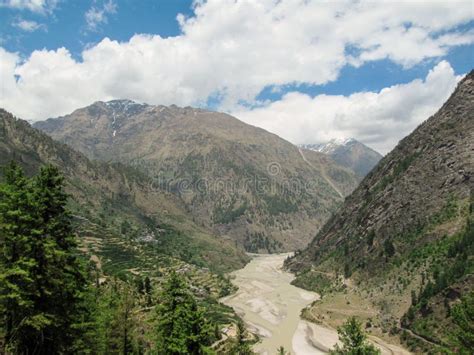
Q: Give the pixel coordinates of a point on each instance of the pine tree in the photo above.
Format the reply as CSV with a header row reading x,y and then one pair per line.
x,y
16,263
180,327
242,347
42,282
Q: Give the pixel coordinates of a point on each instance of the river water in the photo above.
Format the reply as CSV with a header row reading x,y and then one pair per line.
x,y
271,307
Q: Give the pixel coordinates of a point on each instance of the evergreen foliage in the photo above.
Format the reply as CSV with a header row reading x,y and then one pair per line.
x,y
354,340
463,315
51,302
180,327
42,281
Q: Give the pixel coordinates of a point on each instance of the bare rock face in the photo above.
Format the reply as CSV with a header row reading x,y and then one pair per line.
x,y
243,182
411,184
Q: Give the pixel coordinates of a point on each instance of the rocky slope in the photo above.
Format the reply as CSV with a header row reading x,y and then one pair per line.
x,y
239,180
349,153
118,208
404,238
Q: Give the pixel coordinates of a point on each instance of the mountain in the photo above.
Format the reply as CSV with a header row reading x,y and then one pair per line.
x,y
120,215
400,251
349,153
238,180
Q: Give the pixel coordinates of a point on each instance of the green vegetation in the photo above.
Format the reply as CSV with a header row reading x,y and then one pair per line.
x,y
258,241
463,315
181,327
317,281
229,214
354,340
424,315
42,282
52,301
276,205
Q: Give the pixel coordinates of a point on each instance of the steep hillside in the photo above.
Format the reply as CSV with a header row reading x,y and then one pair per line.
x,y
117,206
349,153
403,239
237,179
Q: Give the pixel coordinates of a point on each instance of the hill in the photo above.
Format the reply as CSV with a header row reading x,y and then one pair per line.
x,y
120,215
399,252
238,180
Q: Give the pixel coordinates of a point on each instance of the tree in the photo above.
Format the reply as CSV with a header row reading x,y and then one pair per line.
x,y
180,324
353,339
281,351
463,316
42,282
414,299
388,248
241,347
148,290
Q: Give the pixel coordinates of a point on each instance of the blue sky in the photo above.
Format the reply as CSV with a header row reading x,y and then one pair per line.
x,y
246,58
67,27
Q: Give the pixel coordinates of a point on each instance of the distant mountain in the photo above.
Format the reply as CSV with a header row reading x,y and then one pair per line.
x,y
404,239
349,153
239,180
120,216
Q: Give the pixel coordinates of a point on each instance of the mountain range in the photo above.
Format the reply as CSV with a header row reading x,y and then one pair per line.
x,y
399,251
389,239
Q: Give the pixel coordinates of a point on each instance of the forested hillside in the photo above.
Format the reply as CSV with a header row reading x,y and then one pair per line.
x,y
119,209
52,301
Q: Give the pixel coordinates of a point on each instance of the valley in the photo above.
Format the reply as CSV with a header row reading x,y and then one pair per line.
x,y
235,177
271,308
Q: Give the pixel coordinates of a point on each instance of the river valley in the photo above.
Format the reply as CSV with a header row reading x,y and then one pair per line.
x,y
271,306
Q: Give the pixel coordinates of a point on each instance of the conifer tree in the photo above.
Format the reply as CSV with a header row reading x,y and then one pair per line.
x,y
354,340
42,282
180,327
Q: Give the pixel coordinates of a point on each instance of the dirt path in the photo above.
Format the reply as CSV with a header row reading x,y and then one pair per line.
x,y
323,173
419,337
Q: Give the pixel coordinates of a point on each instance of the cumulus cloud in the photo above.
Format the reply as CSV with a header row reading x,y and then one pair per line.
x,y
28,26
97,16
38,6
230,50
379,119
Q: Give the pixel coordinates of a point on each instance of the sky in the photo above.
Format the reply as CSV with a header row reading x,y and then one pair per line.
x,y
309,71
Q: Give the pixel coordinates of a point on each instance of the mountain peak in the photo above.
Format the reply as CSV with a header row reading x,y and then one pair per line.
x,y
124,106
348,152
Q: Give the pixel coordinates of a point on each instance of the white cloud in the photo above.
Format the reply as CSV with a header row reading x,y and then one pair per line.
x,y
232,50
28,26
38,6
97,16
378,119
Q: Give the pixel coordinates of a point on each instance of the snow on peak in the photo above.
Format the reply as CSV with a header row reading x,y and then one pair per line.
x,y
125,106
330,146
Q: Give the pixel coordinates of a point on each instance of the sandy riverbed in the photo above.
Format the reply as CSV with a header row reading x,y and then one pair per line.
x,y
271,307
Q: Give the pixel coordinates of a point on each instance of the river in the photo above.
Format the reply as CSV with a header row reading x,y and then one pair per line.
x,y
271,306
